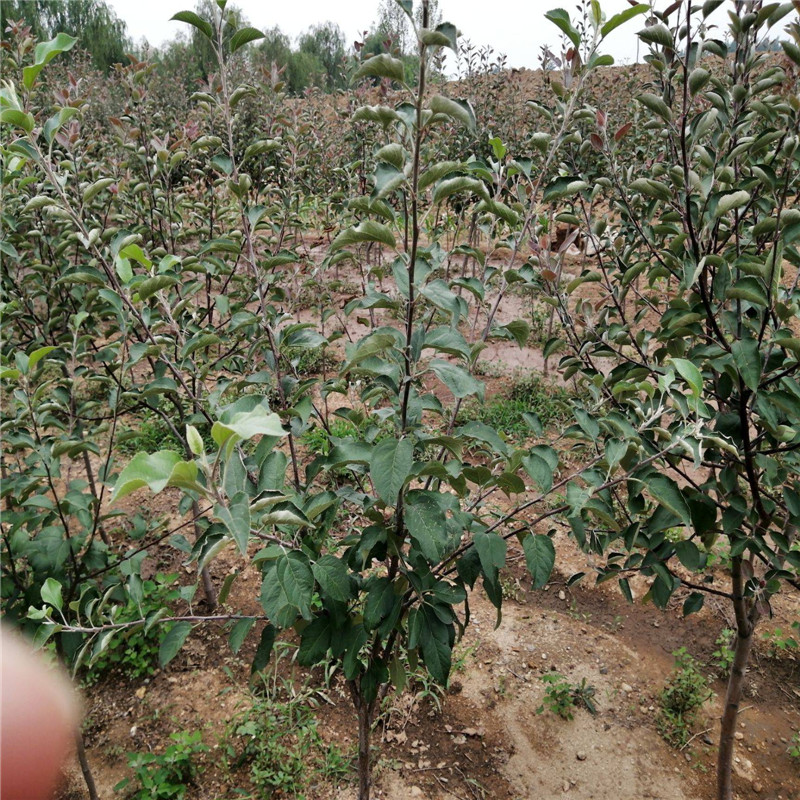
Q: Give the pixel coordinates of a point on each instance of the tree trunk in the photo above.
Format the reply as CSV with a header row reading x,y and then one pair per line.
x,y
746,619
85,768
364,767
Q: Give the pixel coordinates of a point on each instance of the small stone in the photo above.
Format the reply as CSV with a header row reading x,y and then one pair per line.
x,y
757,787
580,755
604,670
565,787
738,736
562,595
707,739
415,791
627,688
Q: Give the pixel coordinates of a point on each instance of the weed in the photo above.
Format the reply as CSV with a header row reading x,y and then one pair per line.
x,y
512,589
779,643
311,360
722,657
794,747
529,395
279,742
134,653
681,699
165,776
563,697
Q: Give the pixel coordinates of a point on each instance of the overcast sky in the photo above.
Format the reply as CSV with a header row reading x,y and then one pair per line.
x,y
514,27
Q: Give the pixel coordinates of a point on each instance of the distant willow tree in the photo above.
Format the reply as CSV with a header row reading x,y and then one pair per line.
x,y
100,32
326,43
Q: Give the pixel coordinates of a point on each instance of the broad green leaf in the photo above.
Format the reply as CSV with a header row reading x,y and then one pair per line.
x,y
147,288
51,593
21,119
458,110
539,470
243,36
658,34
196,21
382,66
457,379
366,231
731,201
623,17
239,633
247,424
173,642
437,657
426,523
747,357
540,556
491,551
460,183
667,493
561,20
44,53
332,576
236,518
152,470
389,467
315,641
37,355
690,373
656,104
264,649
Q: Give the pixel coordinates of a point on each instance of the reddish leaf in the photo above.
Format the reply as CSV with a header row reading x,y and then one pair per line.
x,y
601,118
597,142
623,131
549,275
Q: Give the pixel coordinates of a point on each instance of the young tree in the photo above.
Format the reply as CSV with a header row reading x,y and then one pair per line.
x,y
693,339
98,29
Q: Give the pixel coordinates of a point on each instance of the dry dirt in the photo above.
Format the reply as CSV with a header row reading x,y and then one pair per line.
x,y
488,740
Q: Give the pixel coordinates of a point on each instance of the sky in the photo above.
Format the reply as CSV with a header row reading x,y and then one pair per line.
x,y
516,28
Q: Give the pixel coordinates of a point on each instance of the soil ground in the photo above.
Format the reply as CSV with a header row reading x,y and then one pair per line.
x,y
487,739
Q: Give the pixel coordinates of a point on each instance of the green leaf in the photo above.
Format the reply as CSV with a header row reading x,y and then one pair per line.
x,y
539,470
389,467
315,641
332,576
437,657
749,289
247,424
460,183
667,493
239,634
264,649
426,523
147,288
560,19
243,36
458,110
366,231
236,518
622,18
51,593
37,355
382,66
656,104
658,34
491,551
151,470
20,119
540,556
690,373
173,642
457,379
387,178
196,21
731,201
747,357
562,188
44,53
689,555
